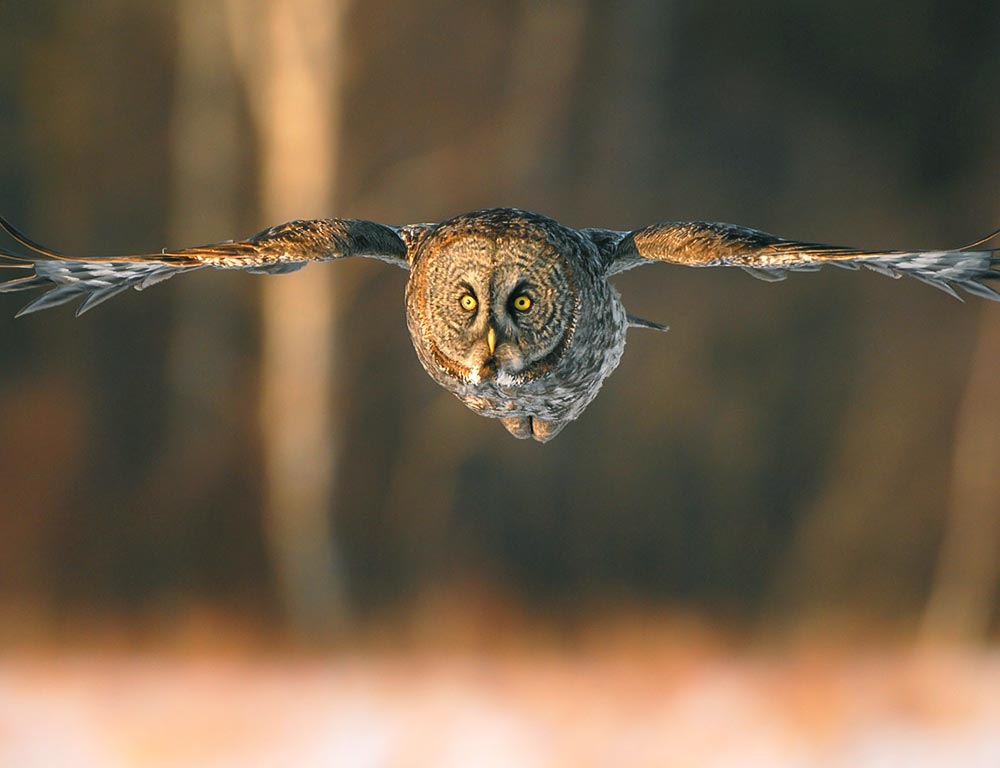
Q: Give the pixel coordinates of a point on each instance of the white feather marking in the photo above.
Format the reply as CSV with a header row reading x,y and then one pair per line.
x,y
504,379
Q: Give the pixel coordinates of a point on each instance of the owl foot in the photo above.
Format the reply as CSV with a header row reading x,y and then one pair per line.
x,y
523,427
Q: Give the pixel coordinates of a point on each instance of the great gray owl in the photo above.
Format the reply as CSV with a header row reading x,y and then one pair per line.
x,y
509,310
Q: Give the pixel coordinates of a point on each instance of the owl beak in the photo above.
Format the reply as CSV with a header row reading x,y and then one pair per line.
x,y
491,339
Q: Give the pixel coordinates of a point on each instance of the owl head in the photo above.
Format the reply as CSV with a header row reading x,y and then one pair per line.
x,y
494,304
493,300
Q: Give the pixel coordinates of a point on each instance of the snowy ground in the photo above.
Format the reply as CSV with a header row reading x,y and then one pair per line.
x,y
520,710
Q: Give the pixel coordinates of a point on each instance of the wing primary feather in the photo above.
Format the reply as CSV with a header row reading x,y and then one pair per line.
x,y
22,284
981,241
940,285
12,261
882,269
100,296
978,289
54,298
765,274
27,242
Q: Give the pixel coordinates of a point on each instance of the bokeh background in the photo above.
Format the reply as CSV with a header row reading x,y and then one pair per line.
x,y
238,522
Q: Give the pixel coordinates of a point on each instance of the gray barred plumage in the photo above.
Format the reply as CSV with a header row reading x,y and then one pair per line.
x,y
509,310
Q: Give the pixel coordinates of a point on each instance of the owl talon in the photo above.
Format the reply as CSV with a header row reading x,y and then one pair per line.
x,y
523,427
518,426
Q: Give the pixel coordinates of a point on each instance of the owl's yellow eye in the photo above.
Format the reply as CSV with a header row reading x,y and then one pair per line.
x,y
468,302
522,303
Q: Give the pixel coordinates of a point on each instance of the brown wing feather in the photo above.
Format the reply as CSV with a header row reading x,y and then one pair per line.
x,y
283,248
704,244
297,242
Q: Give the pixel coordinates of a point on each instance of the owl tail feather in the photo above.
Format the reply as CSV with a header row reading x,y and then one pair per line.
x,y
95,280
638,322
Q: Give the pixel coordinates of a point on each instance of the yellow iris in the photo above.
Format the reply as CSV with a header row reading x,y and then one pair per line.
x,y
468,302
522,303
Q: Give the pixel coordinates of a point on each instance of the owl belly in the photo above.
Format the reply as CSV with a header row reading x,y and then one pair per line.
x,y
546,390
547,399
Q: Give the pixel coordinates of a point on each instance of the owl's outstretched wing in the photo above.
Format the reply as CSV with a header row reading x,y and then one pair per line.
x,y
702,244
277,250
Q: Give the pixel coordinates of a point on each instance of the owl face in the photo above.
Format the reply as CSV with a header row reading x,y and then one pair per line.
x,y
494,309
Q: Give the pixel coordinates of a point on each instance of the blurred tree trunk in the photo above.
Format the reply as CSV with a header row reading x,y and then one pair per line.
x,y
961,605
204,142
288,54
206,327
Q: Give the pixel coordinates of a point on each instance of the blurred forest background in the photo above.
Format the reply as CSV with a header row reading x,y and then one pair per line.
x,y
823,452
